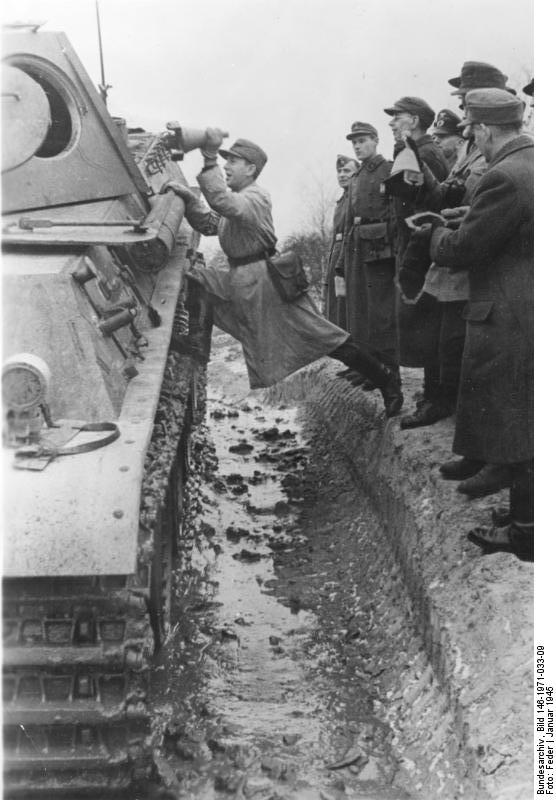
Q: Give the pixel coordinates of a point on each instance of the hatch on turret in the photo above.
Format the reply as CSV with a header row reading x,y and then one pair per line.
x,y
60,145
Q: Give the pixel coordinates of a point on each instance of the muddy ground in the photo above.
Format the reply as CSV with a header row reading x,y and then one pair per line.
x,y
305,660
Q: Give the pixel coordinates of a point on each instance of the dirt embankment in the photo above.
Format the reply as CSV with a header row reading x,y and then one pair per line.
x,y
464,728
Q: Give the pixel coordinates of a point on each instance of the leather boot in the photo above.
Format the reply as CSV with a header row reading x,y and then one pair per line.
x,y
376,373
459,469
392,394
513,538
426,413
489,480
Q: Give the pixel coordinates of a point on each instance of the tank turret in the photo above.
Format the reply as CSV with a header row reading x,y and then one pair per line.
x,y
97,413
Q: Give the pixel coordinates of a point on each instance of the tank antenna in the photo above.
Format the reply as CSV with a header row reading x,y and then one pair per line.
x,y
103,86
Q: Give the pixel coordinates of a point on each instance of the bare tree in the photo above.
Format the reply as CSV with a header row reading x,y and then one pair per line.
x,y
312,240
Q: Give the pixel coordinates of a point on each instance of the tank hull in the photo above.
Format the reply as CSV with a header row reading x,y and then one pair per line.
x,y
93,287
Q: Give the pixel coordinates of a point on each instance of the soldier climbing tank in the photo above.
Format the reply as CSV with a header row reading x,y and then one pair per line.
x,y
97,413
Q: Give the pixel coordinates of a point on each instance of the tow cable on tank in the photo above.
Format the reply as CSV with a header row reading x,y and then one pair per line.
x,y
32,456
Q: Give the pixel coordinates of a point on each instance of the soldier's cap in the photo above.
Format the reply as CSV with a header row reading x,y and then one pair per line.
x,y
341,161
492,107
446,123
478,75
413,105
362,129
243,148
530,88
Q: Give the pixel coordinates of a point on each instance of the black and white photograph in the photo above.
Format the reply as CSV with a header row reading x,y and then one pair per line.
x,y
268,509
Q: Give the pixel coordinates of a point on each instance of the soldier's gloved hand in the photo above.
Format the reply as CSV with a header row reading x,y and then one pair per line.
x,y
214,138
454,216
423,232
185,192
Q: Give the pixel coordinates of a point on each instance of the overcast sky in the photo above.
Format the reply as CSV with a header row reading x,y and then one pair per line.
x,y
290,75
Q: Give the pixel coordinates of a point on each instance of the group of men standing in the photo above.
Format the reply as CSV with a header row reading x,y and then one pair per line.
x,y
451,292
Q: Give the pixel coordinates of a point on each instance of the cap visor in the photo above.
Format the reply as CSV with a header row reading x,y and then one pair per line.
x,y
227,153
391,111
455,81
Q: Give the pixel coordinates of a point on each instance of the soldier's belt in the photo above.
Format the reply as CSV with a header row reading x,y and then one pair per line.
x,y
252,259
366,221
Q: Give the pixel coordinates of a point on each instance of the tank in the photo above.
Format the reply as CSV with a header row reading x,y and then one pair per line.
x,y
98,411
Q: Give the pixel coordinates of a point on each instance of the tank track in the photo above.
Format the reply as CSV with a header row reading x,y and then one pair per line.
x,y
78,651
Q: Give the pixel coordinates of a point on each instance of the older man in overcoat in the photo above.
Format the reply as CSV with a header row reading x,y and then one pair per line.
x,y
494,420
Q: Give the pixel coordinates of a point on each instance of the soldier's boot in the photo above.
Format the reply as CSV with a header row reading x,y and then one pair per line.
x,y
489,480
379,376
374,371
516,537
460,468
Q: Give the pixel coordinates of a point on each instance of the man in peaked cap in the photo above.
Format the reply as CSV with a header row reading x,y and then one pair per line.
x,y
452,288
529,90
368,257
494,421
447,135
278,336
477,75
417,316
334,294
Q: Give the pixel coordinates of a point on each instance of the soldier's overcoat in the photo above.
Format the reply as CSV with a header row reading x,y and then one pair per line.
x,y
278,337
369,262
335,307
494,421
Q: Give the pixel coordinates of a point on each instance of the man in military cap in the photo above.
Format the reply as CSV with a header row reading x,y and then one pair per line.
x,y
417,319
278,337
452,288
494,423
477,75
368,257
529,90
334,282
448,136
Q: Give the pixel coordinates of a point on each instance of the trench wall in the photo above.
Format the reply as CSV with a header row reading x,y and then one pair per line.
x,y
471,713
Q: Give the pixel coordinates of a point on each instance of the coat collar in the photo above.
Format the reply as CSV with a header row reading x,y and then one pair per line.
x,y
372,163
521,142
425,139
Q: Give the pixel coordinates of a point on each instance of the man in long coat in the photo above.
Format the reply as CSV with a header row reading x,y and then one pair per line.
x,y
369,264
417,320
278,337
477,479
334,302
494,420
